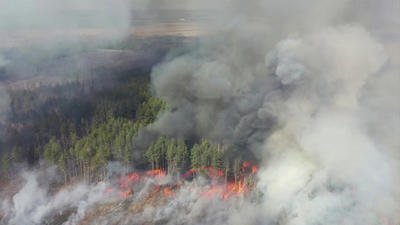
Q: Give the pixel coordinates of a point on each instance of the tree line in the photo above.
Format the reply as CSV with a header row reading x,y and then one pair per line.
x,y
82,135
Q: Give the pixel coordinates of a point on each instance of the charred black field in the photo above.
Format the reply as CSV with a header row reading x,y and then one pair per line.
x,y
260,112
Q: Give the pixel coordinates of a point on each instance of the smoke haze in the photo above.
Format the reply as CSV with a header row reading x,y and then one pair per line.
x,y
310,89
46,38
300,88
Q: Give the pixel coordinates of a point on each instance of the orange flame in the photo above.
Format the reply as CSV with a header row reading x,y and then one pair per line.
x,y
168,192
127,193
226,191
254,169
156,173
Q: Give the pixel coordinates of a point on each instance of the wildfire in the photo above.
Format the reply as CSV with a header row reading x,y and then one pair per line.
x,y
221,187
156,173
168,192
216,190
254,169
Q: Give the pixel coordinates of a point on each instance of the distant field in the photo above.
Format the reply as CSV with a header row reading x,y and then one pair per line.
x,y
149,23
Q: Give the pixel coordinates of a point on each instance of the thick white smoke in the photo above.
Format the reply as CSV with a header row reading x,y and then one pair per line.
x,y
321,163
324,166
318,109
35,203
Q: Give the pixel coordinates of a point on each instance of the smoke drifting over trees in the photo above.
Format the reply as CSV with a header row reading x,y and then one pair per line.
x,y
294,90
307,89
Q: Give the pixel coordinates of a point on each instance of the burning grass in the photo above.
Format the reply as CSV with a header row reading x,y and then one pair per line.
x,y
219,184
136,192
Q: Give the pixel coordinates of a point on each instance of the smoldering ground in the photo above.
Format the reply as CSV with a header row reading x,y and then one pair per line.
x,y
311,92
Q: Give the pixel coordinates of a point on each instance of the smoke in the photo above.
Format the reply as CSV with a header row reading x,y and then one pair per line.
x,y
36,203
4,105
40,201
309,89
50,40
311,93
61,14
189,207
39,32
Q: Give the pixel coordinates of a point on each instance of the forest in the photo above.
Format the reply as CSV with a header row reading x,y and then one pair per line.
x,y
83,125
